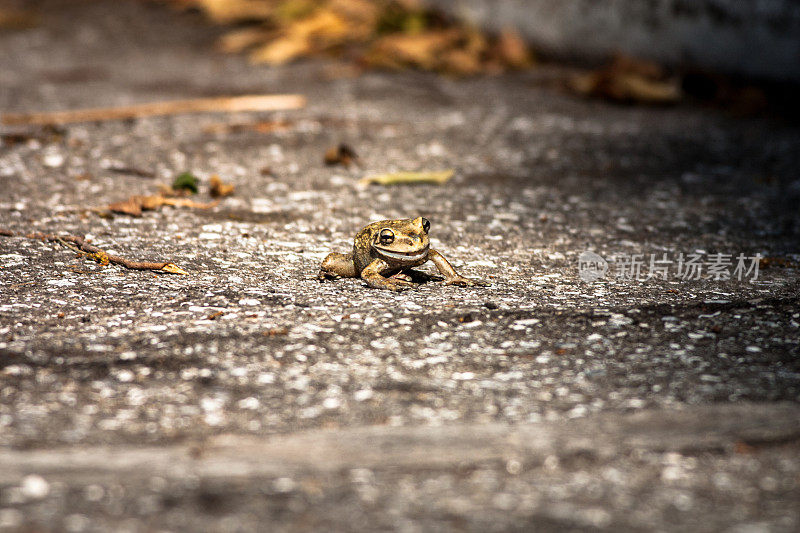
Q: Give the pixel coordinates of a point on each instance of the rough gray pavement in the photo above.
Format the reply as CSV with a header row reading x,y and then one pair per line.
x,y
536,403
471,475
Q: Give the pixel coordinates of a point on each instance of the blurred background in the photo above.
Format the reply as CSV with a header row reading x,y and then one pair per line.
x,y
752,38
759,38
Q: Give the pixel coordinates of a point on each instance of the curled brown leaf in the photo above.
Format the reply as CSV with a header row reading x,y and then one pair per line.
x,y
219,188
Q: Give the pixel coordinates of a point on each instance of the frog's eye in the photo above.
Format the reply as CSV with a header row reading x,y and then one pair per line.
x,y
426,225
386,236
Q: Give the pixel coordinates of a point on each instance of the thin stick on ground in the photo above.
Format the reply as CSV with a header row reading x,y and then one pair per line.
x,y
79,244
266,102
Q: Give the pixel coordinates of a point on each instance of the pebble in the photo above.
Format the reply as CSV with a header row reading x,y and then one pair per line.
x,y
363,395
618,320
284,484
331,403
34,487
249,403
53,160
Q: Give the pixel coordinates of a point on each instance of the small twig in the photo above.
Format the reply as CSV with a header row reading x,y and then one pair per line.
x,y
80,245
268,102
71,247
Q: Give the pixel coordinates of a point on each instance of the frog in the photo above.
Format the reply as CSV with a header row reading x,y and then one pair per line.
x,y
384,254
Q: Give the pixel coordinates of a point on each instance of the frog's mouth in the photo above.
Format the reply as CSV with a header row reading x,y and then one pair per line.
x,y
400,256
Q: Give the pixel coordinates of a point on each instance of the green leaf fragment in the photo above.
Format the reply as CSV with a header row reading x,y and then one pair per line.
x,y
186,181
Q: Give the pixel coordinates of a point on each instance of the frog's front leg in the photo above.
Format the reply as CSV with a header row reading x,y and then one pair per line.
x,y
337,266
451,277
373,274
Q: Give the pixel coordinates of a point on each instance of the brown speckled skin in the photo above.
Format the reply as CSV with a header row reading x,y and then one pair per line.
x,y
387,263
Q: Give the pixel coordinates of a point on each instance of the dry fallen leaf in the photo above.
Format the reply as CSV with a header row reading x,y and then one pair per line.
x,y
512,50
281,50
324,26
340,155
228,11
420,49
318,31
172,268
460,62
220,189
275,332
239,40
151,203
382,33
128,207
136,204
630,80
186,202
400,178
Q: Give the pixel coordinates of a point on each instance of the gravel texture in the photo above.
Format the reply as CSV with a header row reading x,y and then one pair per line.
x,y
107,374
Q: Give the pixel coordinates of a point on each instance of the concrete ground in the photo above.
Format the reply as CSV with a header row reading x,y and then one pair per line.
x,y
543,402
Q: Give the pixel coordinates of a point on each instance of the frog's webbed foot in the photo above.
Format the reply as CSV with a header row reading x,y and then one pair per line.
x,y
373,275
461,281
